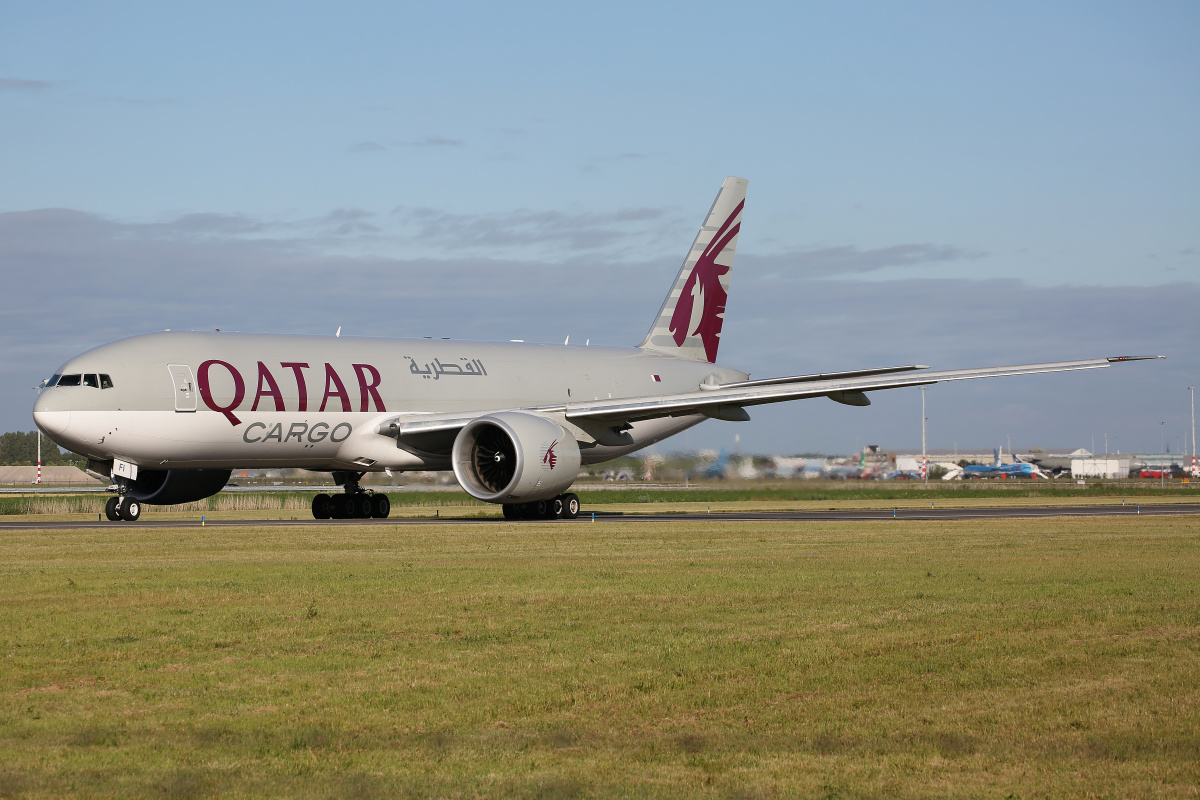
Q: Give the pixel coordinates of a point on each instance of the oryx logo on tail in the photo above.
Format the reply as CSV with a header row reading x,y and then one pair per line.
x,y
704,315
689,322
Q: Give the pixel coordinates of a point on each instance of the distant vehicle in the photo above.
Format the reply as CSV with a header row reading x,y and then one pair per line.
x,y
1173,471
1017,469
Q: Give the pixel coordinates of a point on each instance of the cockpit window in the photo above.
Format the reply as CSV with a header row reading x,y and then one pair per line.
x,y
105,381
53,381
92,380
68,380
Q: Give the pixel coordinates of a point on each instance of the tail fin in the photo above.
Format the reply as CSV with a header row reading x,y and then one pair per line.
x,y
689,323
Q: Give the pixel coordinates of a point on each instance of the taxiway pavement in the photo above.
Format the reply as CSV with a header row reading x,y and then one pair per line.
x,y
600,516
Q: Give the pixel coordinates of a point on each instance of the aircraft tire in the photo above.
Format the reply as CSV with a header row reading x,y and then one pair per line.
x,y
543,509
360,506
557,506
338,506
381,506
111,510
320,507
570,506
512,511
130,509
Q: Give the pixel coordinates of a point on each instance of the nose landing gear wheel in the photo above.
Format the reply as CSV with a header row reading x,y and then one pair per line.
x,y
130,509
111,509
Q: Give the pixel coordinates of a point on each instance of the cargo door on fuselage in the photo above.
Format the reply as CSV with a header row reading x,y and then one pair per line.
x,y
185,387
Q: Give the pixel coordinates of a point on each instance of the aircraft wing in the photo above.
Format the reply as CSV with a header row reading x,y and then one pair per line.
x,y
434,433
723,402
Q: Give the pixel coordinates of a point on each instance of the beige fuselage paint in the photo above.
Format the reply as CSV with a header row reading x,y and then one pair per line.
x,y
316,402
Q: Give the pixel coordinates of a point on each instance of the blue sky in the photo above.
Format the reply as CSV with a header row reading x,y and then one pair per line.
x,y
939,183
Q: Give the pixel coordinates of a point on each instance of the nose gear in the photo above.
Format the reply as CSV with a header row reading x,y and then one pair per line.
x,y
122,507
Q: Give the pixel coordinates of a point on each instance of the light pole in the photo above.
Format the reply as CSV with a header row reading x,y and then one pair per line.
x,y
1195,473
1162,438
924,461
39,388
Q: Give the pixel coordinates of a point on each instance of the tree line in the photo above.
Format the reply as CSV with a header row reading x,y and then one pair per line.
x,y
19,449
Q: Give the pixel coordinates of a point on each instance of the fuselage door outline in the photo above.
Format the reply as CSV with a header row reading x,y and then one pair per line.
x,y
185,387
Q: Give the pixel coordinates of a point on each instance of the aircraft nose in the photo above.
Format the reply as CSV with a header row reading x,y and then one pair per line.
x,y
49,413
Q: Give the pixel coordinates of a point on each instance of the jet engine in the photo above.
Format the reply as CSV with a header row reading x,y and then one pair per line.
x,y
511,457
166,487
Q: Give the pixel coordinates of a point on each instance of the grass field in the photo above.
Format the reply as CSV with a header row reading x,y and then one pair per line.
x,y
1007,658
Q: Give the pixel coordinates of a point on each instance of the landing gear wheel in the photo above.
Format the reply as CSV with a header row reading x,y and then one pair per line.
x,y
381,506
339,506
543,509
130,509
111,509
360,505
321,507
557,507
570,506
512,511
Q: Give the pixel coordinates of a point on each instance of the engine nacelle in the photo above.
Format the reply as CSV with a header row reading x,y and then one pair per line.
x,y
511,457
167,487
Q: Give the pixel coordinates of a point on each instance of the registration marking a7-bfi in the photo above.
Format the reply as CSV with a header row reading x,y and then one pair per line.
x,y
335,396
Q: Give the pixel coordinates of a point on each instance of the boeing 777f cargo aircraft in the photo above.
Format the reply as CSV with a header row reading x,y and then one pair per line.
x,y
167,416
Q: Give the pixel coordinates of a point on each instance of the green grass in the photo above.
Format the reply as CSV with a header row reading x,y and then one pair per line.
x,y
1046,658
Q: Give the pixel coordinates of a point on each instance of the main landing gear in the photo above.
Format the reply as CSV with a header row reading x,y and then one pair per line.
x,y
354,503
124,508
351,505
565,506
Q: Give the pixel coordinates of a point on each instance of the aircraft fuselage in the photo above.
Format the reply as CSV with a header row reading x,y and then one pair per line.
x,y
232,400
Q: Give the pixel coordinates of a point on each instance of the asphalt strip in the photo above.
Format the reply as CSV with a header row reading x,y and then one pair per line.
x,y
831,515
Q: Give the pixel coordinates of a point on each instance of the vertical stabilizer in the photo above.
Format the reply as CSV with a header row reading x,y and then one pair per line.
x,y
689,323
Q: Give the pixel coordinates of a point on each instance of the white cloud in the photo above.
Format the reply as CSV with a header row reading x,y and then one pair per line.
x,y
18,85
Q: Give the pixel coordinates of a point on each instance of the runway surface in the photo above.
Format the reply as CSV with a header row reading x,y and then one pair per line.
x,y
934,513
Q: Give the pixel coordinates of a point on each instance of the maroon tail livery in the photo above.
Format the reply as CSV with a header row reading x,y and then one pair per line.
x,y
689,323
